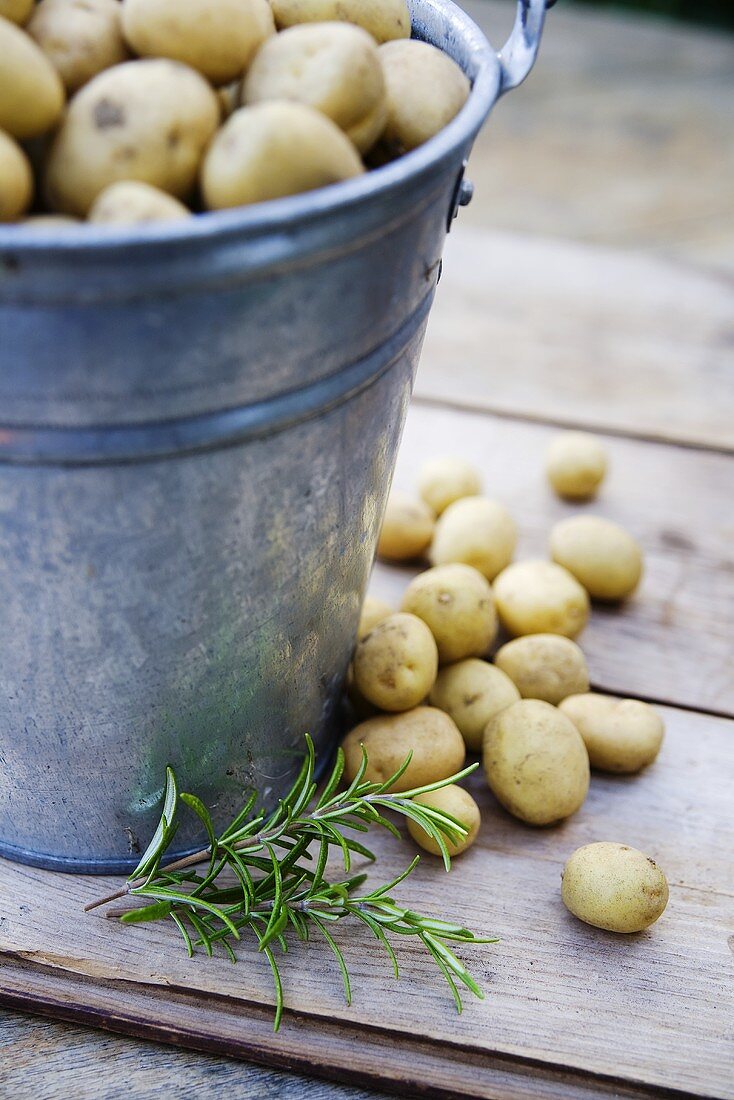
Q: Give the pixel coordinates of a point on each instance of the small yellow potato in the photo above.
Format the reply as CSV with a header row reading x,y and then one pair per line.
x,y
455,601
16,180
31,92
272,150
79,37
332,67
16,11
383,19
218,38
576,465
544,666
407,528
477,532
130,202
613,886
600,554
429,734
536,762
472,692
395,665
540,597
425,90
457,803
143,120
373,612
621,735
441,481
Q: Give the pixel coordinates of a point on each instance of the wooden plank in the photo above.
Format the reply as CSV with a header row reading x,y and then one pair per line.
x,y
642,1013
674,641
576,335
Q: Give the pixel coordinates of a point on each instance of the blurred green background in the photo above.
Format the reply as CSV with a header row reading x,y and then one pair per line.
x,y
716,13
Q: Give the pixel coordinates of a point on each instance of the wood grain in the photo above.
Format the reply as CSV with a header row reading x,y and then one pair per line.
x,y
646,1012
674,641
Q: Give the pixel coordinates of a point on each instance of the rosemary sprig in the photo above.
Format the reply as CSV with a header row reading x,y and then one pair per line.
x,y
265,875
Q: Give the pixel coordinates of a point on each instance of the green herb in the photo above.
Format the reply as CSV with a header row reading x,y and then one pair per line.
x,y
265,874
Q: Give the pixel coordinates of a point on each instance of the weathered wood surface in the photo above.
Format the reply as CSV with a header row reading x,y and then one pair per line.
x,y
650,1011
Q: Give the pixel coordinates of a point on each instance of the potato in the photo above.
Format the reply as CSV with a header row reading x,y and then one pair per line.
x,y
395,665
429,734
373,612
457,803
576,465
143,120
472,692
79,37
407,528
455,601
536,762
613,886
16,180
443,480
544,666
275,149
600,554
31,92
16,11
130,202
331,67
218,38
477,532
621,735
540,597
383,19
425,90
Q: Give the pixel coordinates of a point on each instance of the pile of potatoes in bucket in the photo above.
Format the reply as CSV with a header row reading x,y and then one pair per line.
x,y
421,680
127,111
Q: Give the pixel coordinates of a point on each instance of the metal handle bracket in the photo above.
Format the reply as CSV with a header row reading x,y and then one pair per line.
x,y
517,56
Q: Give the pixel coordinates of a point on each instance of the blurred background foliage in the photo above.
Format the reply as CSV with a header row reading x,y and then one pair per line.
x,y
715,13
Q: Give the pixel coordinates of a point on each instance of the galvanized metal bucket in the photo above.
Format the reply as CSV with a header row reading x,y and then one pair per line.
x,y
198,425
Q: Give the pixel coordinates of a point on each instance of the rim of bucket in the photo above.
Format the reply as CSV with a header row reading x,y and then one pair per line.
x,y
276,214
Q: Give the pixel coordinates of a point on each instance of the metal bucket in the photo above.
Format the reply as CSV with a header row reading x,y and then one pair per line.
x,y
198,425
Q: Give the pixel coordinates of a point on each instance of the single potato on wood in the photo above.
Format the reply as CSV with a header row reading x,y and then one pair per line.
x,y
544,666
425,90
615,887
621,735
600,554
536,762
383,19
477,532
443,480
456,603
457,803
79,37
472,692
373,612
130,202
576,465
540,597
407,528
395,665
436,745
16,180
31,91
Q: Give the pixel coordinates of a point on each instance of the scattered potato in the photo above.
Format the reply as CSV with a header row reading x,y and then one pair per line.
x,y
373,612
429,734
540,597
275,149
383,19
16,11
79,37
130,202
456,802
544,666
443,480
332,67
219,41
477,532
536,762
16,180
395,665
407,528
425,90
455,601
31,92
600,554
614,887
472,692
143,120
621,735
576,465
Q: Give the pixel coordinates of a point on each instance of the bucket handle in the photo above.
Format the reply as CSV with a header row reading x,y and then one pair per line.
x,y
517,56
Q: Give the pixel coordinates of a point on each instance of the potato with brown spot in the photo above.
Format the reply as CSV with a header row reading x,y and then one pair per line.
x,y
436,745
373,612
79,37
472,692
426,89
544,666
16,180
456,603
540,597
383,19
602,556
621,735
457,803
614,887
476,532
31,91
395,665
407,528
444,480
